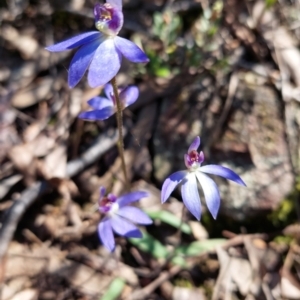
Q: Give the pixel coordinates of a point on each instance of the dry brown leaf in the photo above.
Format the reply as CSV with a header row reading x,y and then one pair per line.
x,y
75,103
39,91
33,130
84,277
28,294
8,183
288,290
279,39
198,230
180,293
54,165
23,159
42,145
13,286
27,45
235,273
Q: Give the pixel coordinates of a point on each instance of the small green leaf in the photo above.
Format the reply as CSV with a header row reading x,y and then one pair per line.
x,y
115,289
150,245
163,72
270,3
179,260
199,247
170,219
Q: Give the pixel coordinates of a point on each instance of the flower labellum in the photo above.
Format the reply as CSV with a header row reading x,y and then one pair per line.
x,y
100,51
189,177
119,217
108,19
103,108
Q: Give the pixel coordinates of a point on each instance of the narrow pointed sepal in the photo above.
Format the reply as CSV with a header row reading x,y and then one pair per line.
x,y
223,172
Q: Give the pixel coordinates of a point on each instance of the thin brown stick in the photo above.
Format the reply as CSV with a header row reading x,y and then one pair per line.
x,y
151,287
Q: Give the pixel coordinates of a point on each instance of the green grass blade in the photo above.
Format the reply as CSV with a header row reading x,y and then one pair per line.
x,y
115,289
170,219
150,245
199,247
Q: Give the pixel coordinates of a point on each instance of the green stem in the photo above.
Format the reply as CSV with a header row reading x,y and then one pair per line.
x,y
119,116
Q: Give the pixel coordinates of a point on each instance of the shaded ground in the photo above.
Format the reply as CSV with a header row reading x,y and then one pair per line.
x,y
227,71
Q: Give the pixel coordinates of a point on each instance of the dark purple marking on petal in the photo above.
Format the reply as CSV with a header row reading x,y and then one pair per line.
x,y
211,193
134,215
224,172
106,203
190,195
76,41
124,228
130,50
112,197
129,95
100,102
106,234
131,197
105,64
101,114
194,145
170,184
80,62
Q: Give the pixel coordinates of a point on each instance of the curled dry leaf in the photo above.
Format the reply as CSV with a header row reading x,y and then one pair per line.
x,y
28,294
6,184
27,45
23,159
24,155
38,91
55,164
180,293
288,290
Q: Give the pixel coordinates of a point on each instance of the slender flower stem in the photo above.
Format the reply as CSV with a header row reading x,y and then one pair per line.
x,y
119,116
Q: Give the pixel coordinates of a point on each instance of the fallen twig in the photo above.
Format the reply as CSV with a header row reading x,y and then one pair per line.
x,y
151,287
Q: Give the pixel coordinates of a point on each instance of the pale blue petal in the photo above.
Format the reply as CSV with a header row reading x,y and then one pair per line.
x,y
105,64
170,184
117,3
195,144
109,91
135,215
106,234
124,228
211,193
129,95
224,172
190,195
130,50
101,114
201,157
131,197
76,41
100,102
80,62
